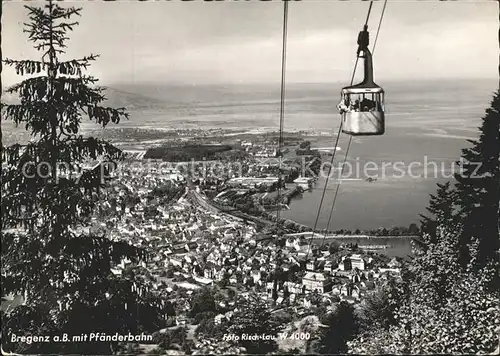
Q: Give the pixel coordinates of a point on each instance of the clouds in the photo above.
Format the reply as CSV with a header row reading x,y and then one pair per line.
x,y
207,42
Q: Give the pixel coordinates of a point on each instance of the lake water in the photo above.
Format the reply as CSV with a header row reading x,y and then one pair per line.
x,y
428,120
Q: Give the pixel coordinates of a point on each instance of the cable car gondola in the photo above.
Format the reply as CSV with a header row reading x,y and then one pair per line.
x,y
362,105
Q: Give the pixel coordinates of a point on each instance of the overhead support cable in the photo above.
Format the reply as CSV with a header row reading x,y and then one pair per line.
x,y
282,108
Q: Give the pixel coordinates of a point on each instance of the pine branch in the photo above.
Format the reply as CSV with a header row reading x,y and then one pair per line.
x,y
28,67
65,27
103,115
37,88
60,13
74,149
75,66
80,148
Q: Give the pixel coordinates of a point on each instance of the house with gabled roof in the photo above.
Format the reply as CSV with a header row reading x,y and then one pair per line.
x,y
313,281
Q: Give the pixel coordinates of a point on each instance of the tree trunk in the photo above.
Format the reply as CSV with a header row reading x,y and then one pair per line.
x,y
53,119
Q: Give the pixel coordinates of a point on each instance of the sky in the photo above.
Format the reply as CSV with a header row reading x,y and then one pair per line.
x,y
240,42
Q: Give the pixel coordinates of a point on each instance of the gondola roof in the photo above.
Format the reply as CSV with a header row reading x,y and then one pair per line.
x,y
359,89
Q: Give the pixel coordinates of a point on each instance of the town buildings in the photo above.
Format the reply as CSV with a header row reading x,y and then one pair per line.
x,y
194,247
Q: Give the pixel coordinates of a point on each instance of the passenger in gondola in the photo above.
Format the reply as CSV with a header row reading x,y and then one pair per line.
x,y
342,107
367,104
356,105
352,105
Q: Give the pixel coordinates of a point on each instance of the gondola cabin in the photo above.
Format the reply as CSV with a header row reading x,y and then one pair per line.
x,y
365,111
362,105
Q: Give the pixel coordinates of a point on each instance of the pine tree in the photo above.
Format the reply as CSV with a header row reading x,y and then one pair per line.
x,y
47,197
478,190
203,302
253,317
377,309
442,208
440,308
342,327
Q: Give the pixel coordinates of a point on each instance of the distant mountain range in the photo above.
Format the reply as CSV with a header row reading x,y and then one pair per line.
x,y
115,98
131,101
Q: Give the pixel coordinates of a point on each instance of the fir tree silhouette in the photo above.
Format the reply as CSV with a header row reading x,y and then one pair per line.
x,y
47,195
441,208
478,190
